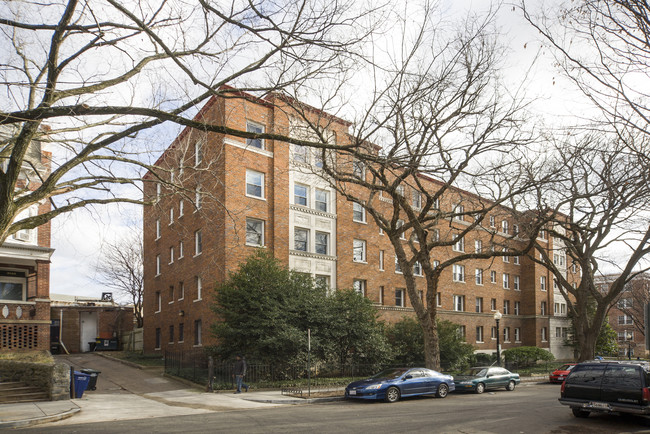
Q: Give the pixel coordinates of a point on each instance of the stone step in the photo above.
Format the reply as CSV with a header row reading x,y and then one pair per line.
x,y
15,391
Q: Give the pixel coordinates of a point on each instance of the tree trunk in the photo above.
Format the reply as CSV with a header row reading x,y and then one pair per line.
x,y
431,353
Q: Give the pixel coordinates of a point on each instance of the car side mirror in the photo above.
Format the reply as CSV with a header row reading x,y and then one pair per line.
x,y
488,375
408,377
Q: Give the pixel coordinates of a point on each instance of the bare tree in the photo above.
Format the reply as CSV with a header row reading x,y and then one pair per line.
x,y
95,81
120,267
444,131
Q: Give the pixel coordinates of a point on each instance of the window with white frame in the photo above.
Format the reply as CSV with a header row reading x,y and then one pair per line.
x,y
461,332
198,242
381,260
399,297
479,333
358,213
359,170
493,333
255,128
321,200
478,273
544,334
300,154
417,269
517,308
459,245
542,308
506,281
416,199
171,215
515,230
359,250
181,290
198,333
478,246
199,287
624,303
436,235
458,212
516,283
517,334
254,232
400,223
506,334
493,304
492,221
254,184
459,303
438,299
198,198
436,264
625,320
171,255
158,229
436,203
542,283
399,190
158,302
381,295
359,286
506,307
479,304
180,250
158,192
516,260
493,276
300,195
322,243
506,258
301,239
198,152
181,206
505,226
459,273
398,267
157,265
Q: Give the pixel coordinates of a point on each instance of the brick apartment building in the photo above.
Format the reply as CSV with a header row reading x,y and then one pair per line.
x,y
627,314
25,268
237,195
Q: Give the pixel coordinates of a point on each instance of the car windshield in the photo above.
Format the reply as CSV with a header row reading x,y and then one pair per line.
x,y
565,367
389,374
475,372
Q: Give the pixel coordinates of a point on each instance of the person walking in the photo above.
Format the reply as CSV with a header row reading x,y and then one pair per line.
x,y
239,372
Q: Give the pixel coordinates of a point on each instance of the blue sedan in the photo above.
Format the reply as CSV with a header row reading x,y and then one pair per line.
x,y
393,384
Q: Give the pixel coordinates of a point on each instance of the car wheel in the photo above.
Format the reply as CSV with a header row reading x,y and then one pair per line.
x,y
443,391
480,388
579,413
392,394
511,386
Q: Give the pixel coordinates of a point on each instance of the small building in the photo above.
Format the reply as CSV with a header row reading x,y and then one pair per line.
x,y
83,324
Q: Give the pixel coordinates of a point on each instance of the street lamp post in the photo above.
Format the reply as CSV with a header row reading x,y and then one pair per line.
x,y
497,317
628,335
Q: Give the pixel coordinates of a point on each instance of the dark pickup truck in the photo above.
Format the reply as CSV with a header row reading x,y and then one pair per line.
x,y
620,387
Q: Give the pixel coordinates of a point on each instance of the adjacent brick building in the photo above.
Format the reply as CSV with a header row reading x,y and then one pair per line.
x,y
25,267
236,195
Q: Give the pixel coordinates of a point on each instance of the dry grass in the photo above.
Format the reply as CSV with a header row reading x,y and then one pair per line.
x,y
28,356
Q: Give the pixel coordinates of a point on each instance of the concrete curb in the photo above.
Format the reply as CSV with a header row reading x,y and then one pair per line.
x,y
295,401
127,363
39,420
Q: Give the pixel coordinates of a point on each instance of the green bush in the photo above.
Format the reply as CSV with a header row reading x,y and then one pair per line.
x,y
526,356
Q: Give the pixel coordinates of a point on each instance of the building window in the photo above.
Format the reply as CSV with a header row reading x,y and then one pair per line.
x,y
322,200
461,332
479,276
493,333
459,273
254,232
181,291
171,215
198,152
517,334
506,281
417,269
516,260
459,303
157,265
438,299
198,333
624,303
544,334
358,212
504,226
300,153
158,302
493,304
359,170
479,304
171,334
301,239
436,235
399,297
322,243
198,198
625,320
398,267
479,333
506,307
515,230
506,259
493,276
198,243
171,255
400,224
459,210
300,195
542,283
180,250
359,251
255,129
517,308
158,338
322,281
416,198
516,283
181,332
381,260
542,308
381,295
478,246
181,206
199,288
158,191
254,184
158,229
506,334
359,286
459,245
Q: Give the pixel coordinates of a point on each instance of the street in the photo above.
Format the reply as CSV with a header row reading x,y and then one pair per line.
x,y
530,408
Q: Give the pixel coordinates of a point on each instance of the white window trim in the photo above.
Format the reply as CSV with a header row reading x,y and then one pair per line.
x,y
263,192
364,253
263,242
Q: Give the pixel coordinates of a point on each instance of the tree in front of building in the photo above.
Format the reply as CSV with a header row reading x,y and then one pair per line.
x,y
606,343
264,310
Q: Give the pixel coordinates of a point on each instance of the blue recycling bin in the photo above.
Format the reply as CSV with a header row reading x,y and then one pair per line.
x,y
80,383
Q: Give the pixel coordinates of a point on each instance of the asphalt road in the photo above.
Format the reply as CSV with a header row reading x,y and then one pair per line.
x,y
528,409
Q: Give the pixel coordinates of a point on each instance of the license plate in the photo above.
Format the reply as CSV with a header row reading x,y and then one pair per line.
x,y
560,378
352,392
600,405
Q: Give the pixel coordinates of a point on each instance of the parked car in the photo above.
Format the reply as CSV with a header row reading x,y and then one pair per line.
x,y
620,387
393,384
482,378
560,374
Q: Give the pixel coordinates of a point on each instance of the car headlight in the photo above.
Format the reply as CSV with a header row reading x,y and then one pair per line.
x,y
374,387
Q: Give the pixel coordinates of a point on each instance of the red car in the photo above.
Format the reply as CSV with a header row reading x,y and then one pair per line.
x,y
560,373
